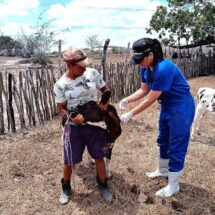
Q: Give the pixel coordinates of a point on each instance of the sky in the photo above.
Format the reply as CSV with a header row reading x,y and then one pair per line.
x,y
73,21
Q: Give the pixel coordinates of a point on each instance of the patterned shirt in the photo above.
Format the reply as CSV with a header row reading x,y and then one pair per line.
x,y
80,90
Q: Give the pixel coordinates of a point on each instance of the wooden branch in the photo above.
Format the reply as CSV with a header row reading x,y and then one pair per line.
x,y
21,99
10,104
31,98
1,106
53,97
50,92
104,66
44,91
36,99
17,99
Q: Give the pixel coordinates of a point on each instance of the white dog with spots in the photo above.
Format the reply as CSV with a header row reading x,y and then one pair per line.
x,y
205,104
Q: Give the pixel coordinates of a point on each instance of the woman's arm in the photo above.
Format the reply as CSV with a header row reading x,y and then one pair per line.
x,y
142,92
151,98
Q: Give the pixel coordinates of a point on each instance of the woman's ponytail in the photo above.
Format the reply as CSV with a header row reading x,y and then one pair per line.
x,y
157,49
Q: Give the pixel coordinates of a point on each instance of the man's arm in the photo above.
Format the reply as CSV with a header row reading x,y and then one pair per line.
x,y
62,110
64,113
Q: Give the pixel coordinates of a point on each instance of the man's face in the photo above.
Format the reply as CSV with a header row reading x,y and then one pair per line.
x,y
78,70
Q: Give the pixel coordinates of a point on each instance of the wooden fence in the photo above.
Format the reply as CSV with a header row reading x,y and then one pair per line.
x,y
196,66
26,97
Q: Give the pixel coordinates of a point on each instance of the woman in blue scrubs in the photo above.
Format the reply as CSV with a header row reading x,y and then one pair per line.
x,y
164,82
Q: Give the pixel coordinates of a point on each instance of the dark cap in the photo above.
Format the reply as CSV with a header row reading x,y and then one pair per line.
x,y
140,49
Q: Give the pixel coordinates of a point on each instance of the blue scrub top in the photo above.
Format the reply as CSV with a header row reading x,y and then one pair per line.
x,y
168,78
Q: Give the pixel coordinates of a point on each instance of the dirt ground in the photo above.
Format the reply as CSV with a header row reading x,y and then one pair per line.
x,y
31,169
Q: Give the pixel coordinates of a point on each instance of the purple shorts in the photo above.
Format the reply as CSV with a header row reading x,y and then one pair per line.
x,y
76,137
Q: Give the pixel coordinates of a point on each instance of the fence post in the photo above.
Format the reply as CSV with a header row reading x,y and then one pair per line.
x,y
104,66
1,106
127,52
10,105
59,55
18,102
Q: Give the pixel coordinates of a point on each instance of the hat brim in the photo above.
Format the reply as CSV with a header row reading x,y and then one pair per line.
x,y
84,63
135,60
132,61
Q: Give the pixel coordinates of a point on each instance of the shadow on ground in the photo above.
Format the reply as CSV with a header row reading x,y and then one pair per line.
x,y
125,195
204,139
190,200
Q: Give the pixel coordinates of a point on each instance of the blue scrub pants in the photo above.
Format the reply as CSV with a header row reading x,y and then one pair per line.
x,y
174,132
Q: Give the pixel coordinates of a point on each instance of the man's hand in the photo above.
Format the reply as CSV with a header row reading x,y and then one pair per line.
x,y
79,119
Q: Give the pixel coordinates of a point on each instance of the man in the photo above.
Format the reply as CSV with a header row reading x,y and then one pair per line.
x,y
78,86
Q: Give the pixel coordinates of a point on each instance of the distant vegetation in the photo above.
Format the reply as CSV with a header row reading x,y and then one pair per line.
x,y
193,21
37,45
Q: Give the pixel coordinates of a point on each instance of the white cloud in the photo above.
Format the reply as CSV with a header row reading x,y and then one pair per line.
x,y
14,28
16,7
108,18
120,20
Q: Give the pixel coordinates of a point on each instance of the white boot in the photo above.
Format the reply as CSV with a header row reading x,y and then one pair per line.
x,y
172,187
162,169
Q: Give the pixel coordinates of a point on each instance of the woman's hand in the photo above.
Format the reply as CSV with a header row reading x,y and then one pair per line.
x,y
79,119
123,104
126,117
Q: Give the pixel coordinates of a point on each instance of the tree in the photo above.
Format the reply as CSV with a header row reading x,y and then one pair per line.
x,y
40,42
6,43
93,41
189,19
9,46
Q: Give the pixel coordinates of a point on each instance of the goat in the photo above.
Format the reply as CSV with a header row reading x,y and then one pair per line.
x,y
205,104
92,113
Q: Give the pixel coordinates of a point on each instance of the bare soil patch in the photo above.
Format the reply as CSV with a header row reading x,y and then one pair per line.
x,y
31,169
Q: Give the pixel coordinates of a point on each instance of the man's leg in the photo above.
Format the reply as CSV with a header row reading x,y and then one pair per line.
x,y
101,180
100,169
73,150
96,146
67,172
66,186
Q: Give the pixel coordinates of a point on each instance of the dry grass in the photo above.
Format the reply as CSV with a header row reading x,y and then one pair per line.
x,y
31,169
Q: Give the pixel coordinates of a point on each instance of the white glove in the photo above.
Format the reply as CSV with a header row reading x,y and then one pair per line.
x,y
126,117
123,104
